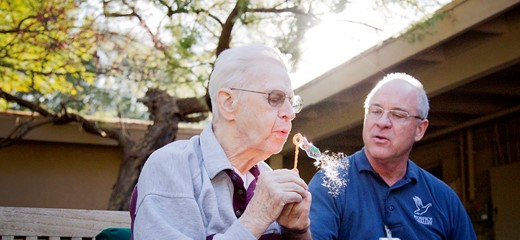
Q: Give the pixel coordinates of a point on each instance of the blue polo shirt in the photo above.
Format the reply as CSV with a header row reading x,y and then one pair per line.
x,y
419,206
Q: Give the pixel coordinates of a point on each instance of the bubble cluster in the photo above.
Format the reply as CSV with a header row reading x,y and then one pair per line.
x,y
334,167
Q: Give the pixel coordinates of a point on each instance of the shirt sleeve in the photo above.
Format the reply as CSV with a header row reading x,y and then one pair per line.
x,y
462,227
324,214
160,217
180,222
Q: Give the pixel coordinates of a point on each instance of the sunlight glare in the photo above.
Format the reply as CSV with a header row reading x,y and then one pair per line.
x,y
339,37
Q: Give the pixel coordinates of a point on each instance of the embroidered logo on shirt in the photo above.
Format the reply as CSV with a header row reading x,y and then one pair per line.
x,y
421,209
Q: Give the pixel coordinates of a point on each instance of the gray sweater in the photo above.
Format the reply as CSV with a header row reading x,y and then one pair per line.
x,y
184,193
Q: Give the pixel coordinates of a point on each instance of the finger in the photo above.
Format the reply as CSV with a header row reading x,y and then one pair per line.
x,y
303,207
306,204
296,215
285,176
285,188
292,197
288,209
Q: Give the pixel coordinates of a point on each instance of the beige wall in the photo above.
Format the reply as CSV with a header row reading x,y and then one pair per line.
x,y
57,175
62,166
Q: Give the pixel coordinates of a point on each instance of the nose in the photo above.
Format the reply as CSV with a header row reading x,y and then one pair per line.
x,y
286,111
384,120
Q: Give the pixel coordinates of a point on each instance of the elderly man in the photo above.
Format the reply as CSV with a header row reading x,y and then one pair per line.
x,y
216,185
388,196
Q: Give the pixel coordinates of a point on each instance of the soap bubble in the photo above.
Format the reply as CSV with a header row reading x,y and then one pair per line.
x,y
334,167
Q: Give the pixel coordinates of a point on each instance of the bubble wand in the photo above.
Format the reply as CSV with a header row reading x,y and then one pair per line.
x,y
301,142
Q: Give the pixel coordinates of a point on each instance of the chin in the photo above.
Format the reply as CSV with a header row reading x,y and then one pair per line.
x,y
275,148
277,151
378,152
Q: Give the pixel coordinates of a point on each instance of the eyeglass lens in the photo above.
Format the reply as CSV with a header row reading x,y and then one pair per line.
x,y
277,97
396,115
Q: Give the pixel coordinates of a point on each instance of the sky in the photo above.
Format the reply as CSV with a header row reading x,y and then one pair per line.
x,y
338,38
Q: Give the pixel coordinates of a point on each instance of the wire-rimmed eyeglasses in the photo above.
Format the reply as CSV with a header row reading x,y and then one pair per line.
x,y
276,98
395,115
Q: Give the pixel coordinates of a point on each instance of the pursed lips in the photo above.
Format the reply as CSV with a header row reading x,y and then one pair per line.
x,y
284,132
380,138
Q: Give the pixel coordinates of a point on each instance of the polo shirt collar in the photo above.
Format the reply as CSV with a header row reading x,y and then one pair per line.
x,y
362,164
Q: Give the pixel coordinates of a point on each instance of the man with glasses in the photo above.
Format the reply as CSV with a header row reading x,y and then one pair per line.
x,y
387,196
216,185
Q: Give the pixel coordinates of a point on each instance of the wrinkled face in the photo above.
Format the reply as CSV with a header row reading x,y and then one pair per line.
x,y
385,137
262,126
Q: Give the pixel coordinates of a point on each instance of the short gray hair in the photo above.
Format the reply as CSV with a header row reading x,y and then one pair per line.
x,y
234,66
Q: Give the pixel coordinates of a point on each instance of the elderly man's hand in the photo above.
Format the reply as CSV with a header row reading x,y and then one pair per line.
x,y
295,216
274,190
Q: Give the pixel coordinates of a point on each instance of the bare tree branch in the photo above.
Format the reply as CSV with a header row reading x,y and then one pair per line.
x,y
225,36
21,130
294,10
25,103
155,39
58,119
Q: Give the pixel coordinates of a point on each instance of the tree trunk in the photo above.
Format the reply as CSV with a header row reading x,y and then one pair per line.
x,y
166,116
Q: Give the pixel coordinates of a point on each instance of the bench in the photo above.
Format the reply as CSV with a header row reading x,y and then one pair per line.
x,y
56,224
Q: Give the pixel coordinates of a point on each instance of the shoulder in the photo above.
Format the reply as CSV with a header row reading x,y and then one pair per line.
x,y
335,166
429,179
176,153
333,177
174,164
443,192
176,148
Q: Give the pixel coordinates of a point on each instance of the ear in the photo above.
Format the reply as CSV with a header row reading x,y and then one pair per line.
x,y
421,129
226,104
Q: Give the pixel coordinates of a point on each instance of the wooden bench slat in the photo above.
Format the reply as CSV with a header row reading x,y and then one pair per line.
x,y
75,223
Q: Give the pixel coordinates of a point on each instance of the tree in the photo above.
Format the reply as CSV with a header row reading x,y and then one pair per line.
x,y
69,62
56,56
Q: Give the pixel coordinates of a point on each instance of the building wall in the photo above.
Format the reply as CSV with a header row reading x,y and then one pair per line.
x,y
62,166
58,175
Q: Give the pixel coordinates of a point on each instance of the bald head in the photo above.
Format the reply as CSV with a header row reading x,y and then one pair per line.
x,y
410,83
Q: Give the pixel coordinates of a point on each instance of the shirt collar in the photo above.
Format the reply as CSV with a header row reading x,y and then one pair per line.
x,y
362,164
215,159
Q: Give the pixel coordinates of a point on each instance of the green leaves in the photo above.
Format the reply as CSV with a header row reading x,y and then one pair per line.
x,y
98,57
41,44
